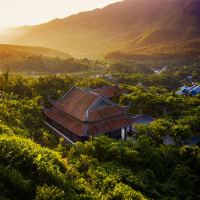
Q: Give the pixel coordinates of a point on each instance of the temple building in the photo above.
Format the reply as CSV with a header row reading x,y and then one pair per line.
x,y
82,113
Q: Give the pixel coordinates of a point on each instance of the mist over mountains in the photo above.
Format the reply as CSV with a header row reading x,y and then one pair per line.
x,y
127,26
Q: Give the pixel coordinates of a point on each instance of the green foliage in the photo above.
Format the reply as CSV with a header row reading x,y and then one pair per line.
x,y
159,129
37,64
53,192
101,168
22,159
148,102
22,114
93,83
151,172
115,98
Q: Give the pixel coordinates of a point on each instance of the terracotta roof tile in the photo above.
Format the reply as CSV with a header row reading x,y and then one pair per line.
x,y
107,125
76,103
66,120
108,92
104,112
94,128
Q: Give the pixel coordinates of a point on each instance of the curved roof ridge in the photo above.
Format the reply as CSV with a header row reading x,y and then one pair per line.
x,y
87,90
74,87
107,101
80,110
111,103
83,112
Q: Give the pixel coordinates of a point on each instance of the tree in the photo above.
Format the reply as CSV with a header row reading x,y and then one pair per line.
x,y
49,193
157,130
170,100
115,98
180,134
6,75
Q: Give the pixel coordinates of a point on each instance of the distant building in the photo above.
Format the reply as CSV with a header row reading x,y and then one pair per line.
x,y
159,71
194,90
82,113
71,59
24,73
109,76
140,84
109,91
99,75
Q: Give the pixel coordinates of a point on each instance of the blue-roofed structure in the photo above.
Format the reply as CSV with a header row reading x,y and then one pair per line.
x,y
184,87
193,93
191,88
184,90
194,90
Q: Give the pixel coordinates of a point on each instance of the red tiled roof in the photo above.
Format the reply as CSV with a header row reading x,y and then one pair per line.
x,y
66,120
108,125
108,92
104,112
93,128
76,103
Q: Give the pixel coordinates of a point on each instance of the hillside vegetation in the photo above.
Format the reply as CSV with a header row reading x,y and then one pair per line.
x,y
28,60
21,51
184,50
34,164
124,26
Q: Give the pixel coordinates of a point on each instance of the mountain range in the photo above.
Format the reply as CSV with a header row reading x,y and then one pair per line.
x,y
128,26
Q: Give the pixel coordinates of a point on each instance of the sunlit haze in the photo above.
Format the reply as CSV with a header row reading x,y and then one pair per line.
x,y
28,12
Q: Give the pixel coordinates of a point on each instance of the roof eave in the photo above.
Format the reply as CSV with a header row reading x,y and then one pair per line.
x,y
110,130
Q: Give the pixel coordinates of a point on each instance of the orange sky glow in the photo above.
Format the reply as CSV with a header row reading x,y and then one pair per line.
x,y
27,12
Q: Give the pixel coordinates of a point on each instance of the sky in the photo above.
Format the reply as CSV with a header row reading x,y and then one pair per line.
x,y
31,12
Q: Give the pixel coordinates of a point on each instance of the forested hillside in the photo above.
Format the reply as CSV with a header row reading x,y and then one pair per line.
x,y
21,51
37,60
128,26
183,50
34,164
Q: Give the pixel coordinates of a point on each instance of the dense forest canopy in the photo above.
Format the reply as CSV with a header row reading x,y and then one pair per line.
x,y
35,165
